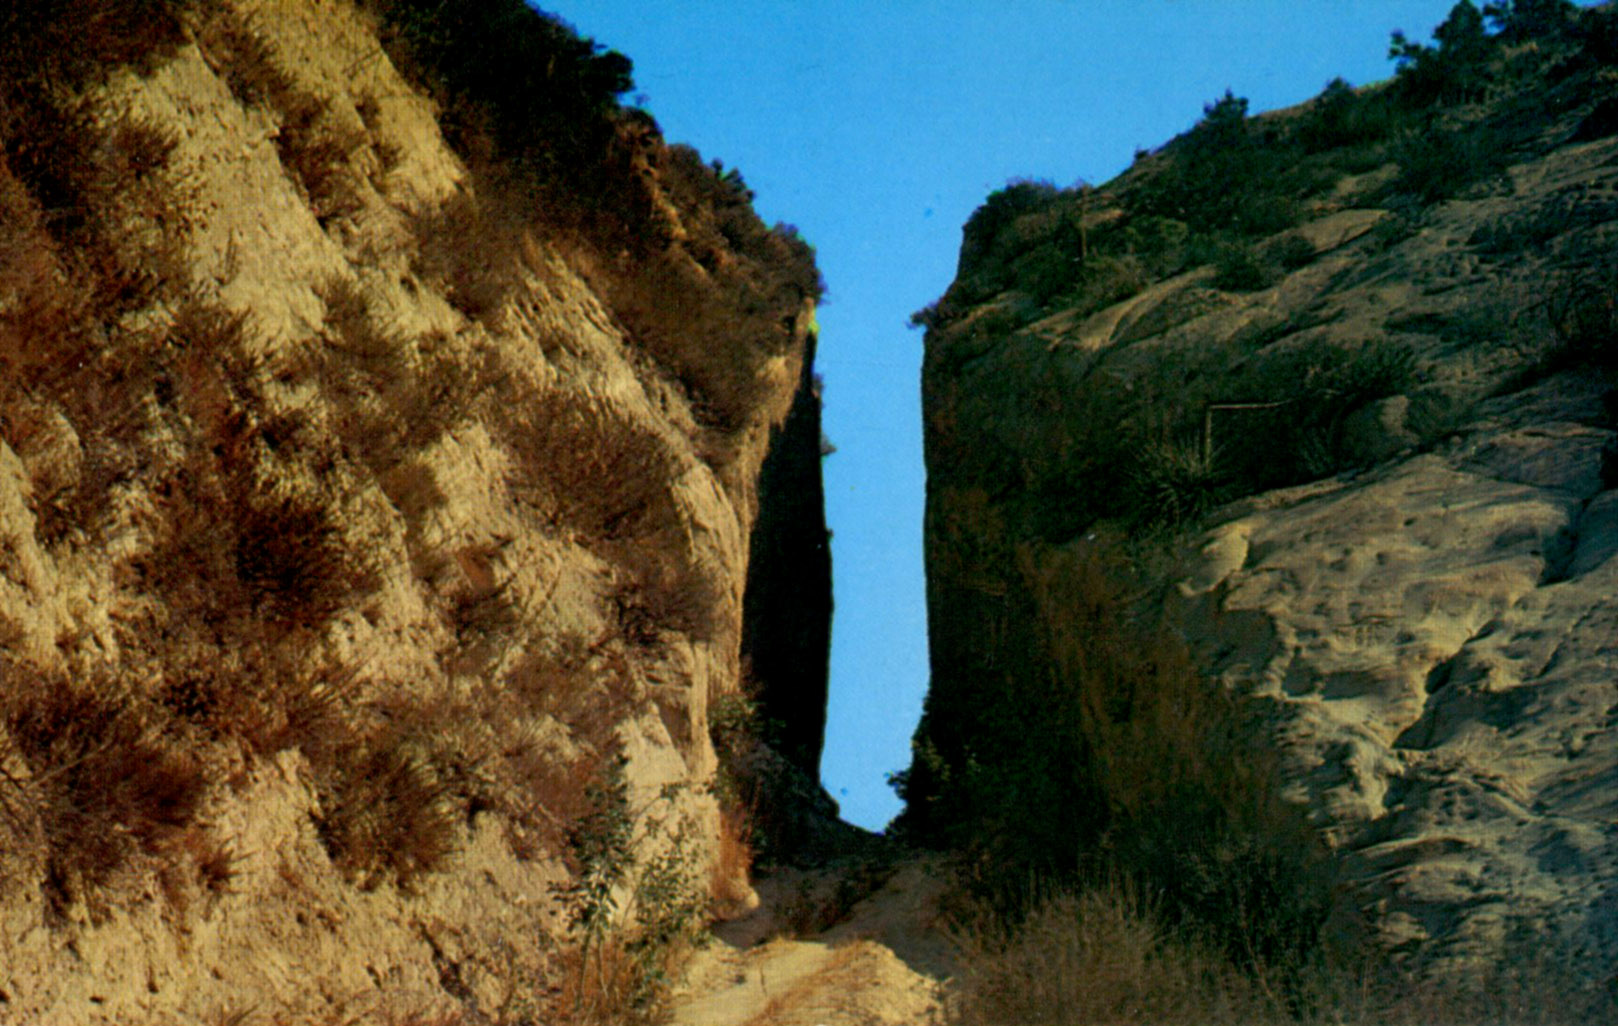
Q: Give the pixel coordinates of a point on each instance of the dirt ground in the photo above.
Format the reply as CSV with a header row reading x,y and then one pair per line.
x,y
882,963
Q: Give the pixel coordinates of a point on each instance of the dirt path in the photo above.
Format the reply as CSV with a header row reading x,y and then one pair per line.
x,y
882,966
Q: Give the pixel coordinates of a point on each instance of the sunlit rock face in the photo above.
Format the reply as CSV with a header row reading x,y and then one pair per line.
x,y
371,503
1409,567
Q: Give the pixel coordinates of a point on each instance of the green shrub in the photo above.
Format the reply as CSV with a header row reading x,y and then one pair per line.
x,y
1226,176
1583,311
1239,268
1176,481
1003,206
1045,271
1342,116
1299,401
1521,20
1597,32
1292,251
1455,71
1436,164
621,969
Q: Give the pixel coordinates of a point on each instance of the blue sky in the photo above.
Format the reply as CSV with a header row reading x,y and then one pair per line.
x,y
877,127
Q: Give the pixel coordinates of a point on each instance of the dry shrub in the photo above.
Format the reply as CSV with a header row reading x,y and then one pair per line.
x,y
1101,956
391,396
1584,316
471,247
586,690
97,777
75,42
353,326
318,149
92,231
386,807
193,864
665,591
385,811
713,334
228,549
233,555
244,59
585,464
97,180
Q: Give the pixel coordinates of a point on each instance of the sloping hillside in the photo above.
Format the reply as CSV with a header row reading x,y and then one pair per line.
x,y
383,413
1335,387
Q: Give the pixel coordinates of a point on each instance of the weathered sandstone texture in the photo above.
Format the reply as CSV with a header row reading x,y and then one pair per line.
x,y
1432,631
379,512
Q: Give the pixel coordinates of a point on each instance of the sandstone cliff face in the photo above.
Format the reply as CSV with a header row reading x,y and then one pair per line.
x,y
1415,586
367,512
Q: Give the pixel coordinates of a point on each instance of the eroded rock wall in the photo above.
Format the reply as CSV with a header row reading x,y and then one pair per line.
x,y
363,511
1428,626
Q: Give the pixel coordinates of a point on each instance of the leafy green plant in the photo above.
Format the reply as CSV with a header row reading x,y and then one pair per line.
x,y
621,968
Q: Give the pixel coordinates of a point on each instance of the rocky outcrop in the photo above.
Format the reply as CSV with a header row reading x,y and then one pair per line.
x,y
379,513
1384,423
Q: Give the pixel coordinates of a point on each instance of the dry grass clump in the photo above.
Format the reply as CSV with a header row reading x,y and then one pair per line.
x,y
585,464
73,42
1104,955
471,247
89,783
1097,956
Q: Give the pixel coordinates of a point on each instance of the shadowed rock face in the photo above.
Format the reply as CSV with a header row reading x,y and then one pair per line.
x,y
1428,626
786,622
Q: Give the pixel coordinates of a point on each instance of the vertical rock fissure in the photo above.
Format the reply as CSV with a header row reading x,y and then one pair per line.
x,y
786,618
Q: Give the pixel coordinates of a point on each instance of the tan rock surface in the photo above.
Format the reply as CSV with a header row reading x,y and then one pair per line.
x,y
525,606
